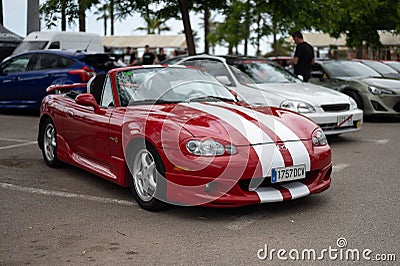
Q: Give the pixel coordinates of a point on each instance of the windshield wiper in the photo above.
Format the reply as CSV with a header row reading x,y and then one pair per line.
x,y
208,98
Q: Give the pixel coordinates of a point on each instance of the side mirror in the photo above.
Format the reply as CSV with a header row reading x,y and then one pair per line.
x,y
87,99
300,77
224,80
317,74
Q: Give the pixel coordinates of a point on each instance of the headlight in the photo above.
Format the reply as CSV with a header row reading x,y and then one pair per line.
x,y
353,104
297,106
319,138
379,91
209,147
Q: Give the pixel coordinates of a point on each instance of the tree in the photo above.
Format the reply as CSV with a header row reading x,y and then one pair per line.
x,y
69,11
361,21
103,11
154,24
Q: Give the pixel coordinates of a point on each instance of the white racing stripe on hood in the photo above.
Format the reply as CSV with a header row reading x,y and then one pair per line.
x,y
268,155
297,149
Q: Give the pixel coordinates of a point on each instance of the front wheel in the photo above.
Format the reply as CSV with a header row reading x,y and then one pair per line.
x,y
356,97
147,179
49,139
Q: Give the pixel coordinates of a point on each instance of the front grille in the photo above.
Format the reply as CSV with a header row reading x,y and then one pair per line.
x,y
266,182
333,126
336,107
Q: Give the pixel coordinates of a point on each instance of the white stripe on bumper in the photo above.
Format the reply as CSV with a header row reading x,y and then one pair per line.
x,y
269,194
297,189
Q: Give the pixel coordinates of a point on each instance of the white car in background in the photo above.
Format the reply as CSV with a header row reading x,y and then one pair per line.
x,y
259,83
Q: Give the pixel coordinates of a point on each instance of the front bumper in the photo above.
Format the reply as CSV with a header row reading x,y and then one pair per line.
x,y
382,104
328,121
222,192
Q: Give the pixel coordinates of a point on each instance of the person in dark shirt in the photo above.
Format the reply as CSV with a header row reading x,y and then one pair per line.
x,y
147,57
303,57
161,55
129,57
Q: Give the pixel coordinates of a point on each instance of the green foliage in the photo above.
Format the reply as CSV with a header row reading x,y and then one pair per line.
x,y
361,20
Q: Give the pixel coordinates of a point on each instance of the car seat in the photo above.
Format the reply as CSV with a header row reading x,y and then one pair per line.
x,y
95,86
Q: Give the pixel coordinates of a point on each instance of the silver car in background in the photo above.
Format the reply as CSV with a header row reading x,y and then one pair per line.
x,y
260,83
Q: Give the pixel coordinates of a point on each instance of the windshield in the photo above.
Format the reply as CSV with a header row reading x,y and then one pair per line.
x,y
395,65
169,85
26,46
262,72
353,69
380,67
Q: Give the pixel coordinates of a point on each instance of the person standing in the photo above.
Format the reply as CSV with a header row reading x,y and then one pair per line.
x,y
303,57
129,58
147,57
161,55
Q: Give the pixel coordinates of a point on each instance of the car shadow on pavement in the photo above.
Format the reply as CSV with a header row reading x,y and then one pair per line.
x,y
382,119
311,203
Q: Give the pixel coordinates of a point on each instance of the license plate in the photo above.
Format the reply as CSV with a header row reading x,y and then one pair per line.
x,y
289,173
345,120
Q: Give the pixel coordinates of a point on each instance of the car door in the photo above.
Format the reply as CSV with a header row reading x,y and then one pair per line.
x,y
321,77
12,73
87,130
44,71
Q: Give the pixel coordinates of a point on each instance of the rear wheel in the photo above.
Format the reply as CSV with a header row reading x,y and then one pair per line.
x,y
147,178
49,139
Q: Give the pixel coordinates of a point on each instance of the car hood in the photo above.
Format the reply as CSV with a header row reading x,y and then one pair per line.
x,y
313,94
231,122
383,83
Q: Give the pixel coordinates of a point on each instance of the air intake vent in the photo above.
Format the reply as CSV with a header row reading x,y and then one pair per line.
x,y
336,107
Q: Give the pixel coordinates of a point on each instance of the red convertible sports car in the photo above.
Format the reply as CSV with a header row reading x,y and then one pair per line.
x,y
175,135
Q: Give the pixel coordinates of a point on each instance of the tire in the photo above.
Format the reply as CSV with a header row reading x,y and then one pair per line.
x,y
356,97
147,178
49,140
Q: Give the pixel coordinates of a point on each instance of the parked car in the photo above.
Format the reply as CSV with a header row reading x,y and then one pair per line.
x,y
373,93
385,70
43,40
25,77
260,83
176,135
173,60
393,64
283,61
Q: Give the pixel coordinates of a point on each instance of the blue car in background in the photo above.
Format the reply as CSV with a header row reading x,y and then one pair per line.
x,y
25,77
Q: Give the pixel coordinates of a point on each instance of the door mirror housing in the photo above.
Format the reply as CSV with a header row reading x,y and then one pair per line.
x,y
87,99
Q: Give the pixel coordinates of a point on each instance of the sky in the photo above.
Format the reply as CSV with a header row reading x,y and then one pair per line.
x,y
15,11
